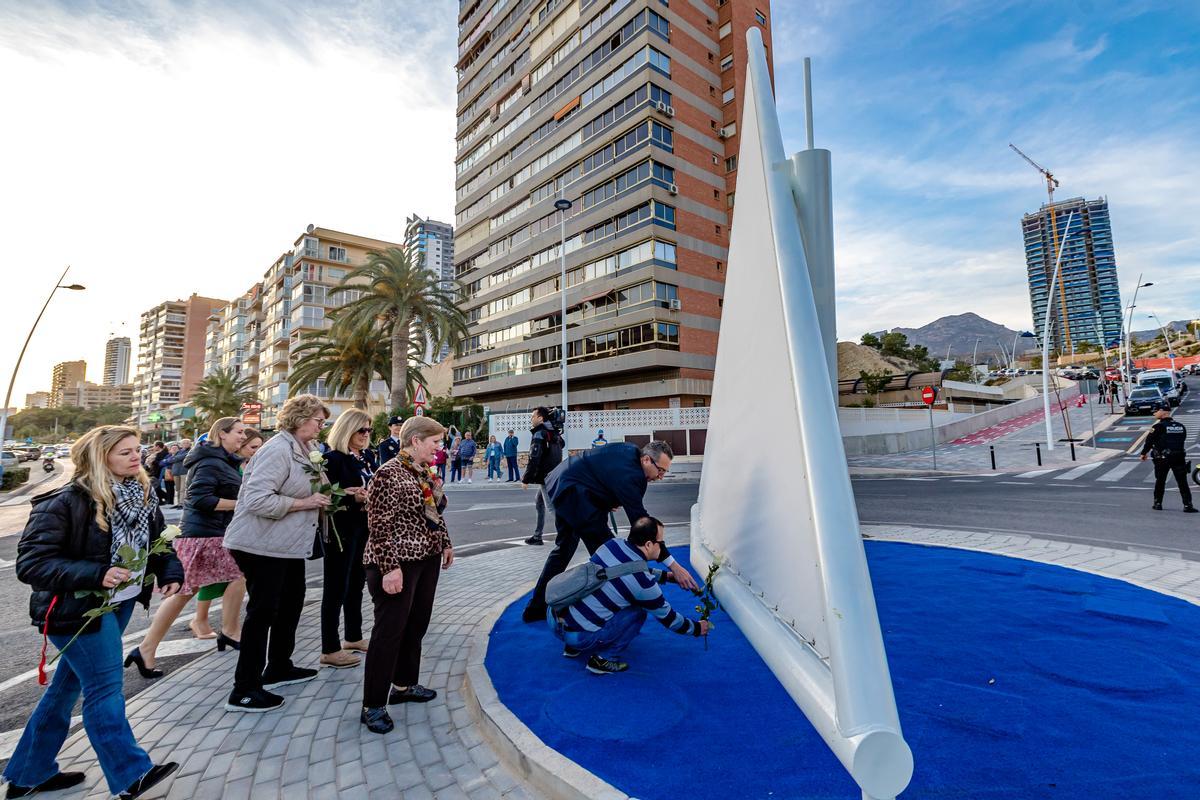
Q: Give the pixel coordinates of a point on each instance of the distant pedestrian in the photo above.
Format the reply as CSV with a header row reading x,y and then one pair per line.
x,y
272,533
545,453
455,464
1167,443
70,546
466,454
439,460
407,547
510,456
168,478
154,468
599,441
492,454
179,471
390,446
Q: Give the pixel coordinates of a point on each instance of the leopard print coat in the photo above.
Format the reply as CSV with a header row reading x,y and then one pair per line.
x,y
396,523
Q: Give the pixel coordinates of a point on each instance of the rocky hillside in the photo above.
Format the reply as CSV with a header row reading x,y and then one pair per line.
x,y
854,358
959,331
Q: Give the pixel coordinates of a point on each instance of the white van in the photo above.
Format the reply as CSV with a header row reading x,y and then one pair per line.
x,y
1166,380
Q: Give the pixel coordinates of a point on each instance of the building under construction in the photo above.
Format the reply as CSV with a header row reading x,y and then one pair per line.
x,y
1087,308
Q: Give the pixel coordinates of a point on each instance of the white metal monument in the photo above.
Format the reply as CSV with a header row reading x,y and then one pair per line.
x,y
794,574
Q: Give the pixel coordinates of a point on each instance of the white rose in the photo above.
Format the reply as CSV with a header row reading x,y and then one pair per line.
x,y
170,533
316,458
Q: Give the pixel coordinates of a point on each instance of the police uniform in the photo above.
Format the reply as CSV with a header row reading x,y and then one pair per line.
x,y
389,448
1167,444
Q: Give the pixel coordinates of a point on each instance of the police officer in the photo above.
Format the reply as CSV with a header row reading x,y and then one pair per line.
x,y
389,448
1167,443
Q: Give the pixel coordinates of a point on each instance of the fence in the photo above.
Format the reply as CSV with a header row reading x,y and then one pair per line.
x,y
685,429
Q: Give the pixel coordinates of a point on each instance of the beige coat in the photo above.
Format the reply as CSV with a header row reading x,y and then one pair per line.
x,y
273,480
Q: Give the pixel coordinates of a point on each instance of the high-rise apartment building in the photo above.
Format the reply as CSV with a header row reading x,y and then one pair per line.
x,y
1088,274
171,353
63,378
86,394
628,110
431,245
117,354
37,400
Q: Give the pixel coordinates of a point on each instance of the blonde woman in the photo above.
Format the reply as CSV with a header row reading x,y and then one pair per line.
x,y
272,533
351,465
214,478
406,546
71,545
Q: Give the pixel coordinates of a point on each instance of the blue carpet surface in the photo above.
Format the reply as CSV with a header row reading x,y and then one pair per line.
x,y
1013,679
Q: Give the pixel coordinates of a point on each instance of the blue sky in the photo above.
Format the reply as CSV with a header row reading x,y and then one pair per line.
x,y
165,148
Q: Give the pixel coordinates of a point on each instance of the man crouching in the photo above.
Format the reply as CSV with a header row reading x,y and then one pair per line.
x,y
602,624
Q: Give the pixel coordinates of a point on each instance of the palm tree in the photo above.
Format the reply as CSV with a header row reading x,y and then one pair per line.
x,y
348,359
408,303
221,394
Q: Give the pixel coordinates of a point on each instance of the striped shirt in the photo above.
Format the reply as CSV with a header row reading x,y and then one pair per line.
x,y
639,589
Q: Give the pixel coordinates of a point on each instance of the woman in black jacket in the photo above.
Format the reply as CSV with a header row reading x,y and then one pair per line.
x,y
350,464
77,540
214,479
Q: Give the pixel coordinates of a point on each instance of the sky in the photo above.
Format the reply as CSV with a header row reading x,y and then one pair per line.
x,y
162,149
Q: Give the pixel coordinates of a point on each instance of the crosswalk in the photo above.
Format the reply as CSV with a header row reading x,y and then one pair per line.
x,y
1129,471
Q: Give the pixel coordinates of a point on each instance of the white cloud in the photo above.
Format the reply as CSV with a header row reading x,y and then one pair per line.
x,y
181,151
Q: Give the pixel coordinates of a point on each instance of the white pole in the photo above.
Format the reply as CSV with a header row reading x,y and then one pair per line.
x,y
1127,366
1167,337
563,205
1046,336
975,360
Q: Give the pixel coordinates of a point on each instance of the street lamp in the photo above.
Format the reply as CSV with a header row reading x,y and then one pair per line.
x,y
1127,365
563,205
975,360
75,287
1166,338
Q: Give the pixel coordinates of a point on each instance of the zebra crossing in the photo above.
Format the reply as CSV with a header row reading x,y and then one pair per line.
x,y
1126,472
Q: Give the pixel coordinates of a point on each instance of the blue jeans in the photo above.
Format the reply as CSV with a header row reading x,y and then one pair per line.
x,y
494,466
92,664
611,640
514,474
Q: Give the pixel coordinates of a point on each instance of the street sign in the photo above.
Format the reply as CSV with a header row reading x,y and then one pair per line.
x,y
419,398
154,417
252,413
928,395
419,411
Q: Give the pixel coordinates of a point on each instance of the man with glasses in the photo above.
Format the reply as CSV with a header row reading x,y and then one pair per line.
x,y
583,489
601,625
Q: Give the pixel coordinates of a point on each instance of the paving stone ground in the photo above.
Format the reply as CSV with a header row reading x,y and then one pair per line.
x,y
315,746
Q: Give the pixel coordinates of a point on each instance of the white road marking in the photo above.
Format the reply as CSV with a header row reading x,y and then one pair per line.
x,y
1037,473
1119,471
1078,471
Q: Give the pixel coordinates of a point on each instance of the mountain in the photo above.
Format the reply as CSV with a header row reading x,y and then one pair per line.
x,y
958,332
1146,335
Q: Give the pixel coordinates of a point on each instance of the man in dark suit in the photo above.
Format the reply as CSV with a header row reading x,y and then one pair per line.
x,y
389,448
583,489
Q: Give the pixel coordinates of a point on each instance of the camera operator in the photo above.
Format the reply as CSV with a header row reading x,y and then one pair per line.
x,y
545,453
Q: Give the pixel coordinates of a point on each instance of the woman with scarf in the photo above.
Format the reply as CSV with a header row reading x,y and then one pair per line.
x,y
407,546
77,540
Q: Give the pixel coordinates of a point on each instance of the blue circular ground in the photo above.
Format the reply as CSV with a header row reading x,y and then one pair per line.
x,y
1014,680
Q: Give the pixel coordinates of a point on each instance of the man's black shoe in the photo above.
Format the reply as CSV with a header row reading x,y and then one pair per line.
x,y
570,652
273,679
157,774
413,694
1189,509
63,780
255,702
377,720
533,614
599,665
535,539
1157,506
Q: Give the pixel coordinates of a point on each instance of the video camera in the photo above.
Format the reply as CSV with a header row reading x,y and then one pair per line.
x,y
558,418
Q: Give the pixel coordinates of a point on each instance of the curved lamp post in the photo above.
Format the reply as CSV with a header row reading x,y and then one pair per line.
x,y
563,205
75,287
1166,338
1127,366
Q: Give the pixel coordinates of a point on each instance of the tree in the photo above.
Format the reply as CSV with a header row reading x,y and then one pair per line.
x,y
347,359
407,302
874,382
894,344
962,371
870,340
221,394
45,424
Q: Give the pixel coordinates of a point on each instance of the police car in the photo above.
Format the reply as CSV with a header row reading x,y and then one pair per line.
x,y
1145,400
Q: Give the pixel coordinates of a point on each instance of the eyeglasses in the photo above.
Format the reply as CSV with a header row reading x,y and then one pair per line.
x,y
363,430
324,422
661,470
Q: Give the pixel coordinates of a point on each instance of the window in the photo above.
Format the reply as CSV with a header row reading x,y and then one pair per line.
x,y
726,62
731,164
729,199
337,254
760,17
725,30
727,95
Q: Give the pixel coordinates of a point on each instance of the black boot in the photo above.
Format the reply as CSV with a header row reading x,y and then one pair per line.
x,y
63,780
1189,509
1157,505
157,774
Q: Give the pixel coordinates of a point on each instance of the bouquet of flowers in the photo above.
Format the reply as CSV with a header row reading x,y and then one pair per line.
x,y
320,485
708,601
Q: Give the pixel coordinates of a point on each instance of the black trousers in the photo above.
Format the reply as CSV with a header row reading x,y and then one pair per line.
x,y
514,474
1176,467
168,493
342,587
401,620
275,592
593,533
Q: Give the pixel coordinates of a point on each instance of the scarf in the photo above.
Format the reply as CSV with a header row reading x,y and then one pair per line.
x,y
129,519
432,494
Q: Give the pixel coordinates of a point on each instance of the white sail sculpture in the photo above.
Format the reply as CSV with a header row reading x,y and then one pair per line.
x,y
793,571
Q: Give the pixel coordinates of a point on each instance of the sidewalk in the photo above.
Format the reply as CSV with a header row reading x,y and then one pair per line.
x,y
315,746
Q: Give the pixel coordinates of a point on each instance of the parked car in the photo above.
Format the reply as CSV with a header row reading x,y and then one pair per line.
x,y
9,459
1167,381
1145,400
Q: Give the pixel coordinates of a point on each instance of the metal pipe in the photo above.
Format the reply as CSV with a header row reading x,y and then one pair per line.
x,y
808,114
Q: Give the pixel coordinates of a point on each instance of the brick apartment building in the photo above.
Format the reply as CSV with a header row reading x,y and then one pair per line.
x,y
628,109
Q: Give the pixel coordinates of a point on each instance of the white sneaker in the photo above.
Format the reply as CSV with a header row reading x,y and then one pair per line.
x,y
469,480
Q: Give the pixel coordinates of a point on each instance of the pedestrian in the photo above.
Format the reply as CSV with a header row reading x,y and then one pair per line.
x,y
602,624
466,455
254,440
584,489
455,464
71,546
351,465
390,446
407,546
510,456
215,479
154,468
493,453
168,479
1167,443
599,441
439,460
545,453
273,531
179,472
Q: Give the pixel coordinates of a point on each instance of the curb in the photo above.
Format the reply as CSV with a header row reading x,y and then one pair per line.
x,y
517,746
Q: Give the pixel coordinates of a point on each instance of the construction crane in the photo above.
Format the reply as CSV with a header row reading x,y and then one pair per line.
x,y
1051,185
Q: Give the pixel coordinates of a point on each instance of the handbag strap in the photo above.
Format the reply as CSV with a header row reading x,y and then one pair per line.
x,y
626,568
